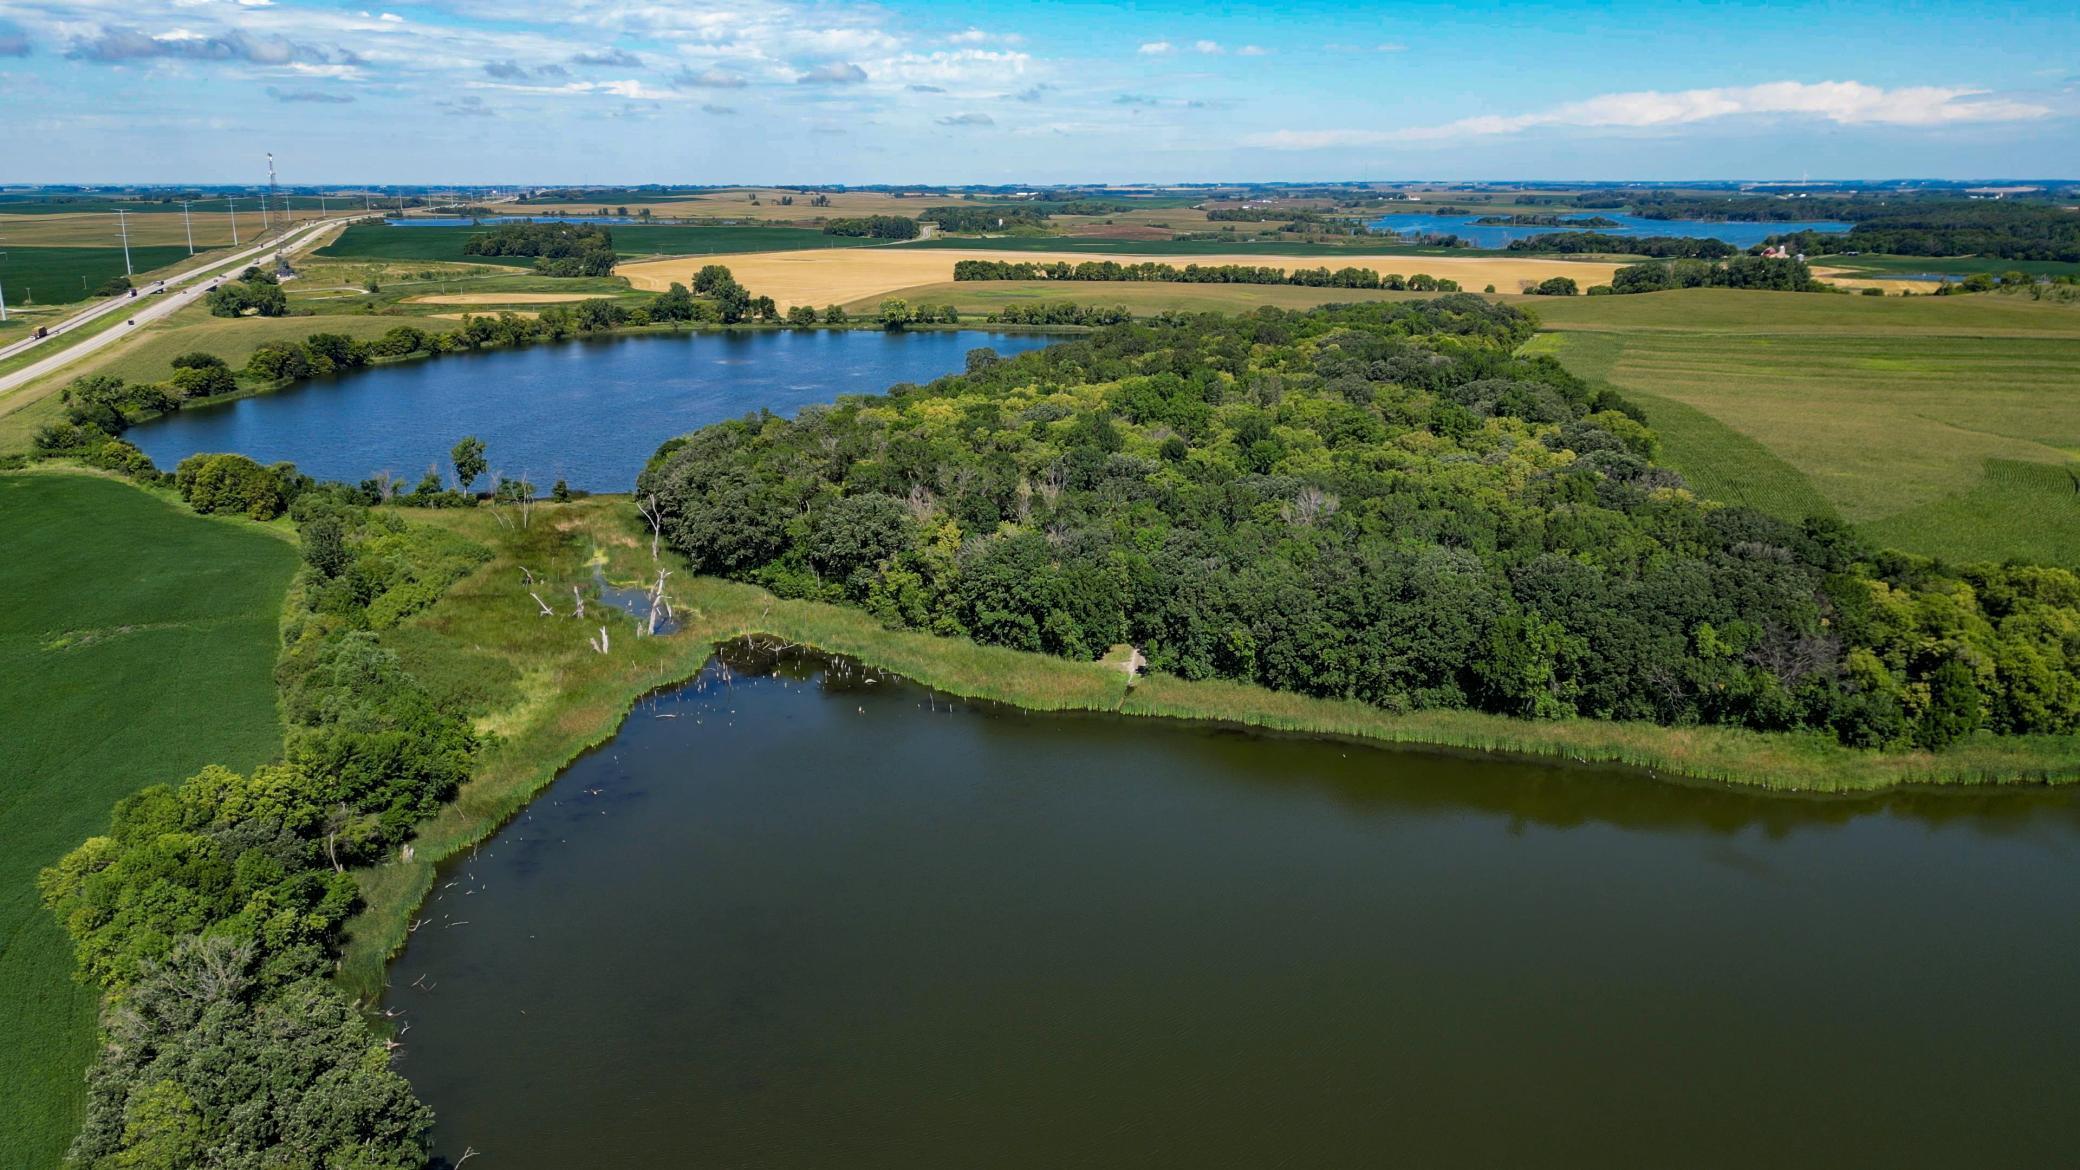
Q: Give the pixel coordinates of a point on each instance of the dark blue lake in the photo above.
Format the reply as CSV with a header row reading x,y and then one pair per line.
x,y
1740,235
589,412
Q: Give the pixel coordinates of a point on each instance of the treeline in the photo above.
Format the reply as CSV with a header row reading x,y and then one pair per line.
x,y
1994,228
1733,208
985,218
1060,313
1682,247
1570,221
559,249
210,913
873,227
1757,272
1381,503
1113,270
255,292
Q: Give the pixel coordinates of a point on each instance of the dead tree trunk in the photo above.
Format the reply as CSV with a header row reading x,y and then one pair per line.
x,y
648,507
658,605
546,611
579,598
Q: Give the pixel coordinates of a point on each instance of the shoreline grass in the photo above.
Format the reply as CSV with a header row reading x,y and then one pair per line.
x,y
557,699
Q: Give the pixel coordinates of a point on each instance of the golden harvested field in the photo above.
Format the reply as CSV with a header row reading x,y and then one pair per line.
x,y
497,298
844,275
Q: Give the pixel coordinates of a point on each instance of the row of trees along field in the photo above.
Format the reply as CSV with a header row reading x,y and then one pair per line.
x,y
210,912
1379,502
1661,247
1113,270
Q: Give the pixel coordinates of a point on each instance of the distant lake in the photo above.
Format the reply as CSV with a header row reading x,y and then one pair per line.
x,y
800,916
591,412
1740,235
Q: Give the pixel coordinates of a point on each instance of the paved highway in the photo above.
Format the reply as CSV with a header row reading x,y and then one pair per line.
x,y
147,306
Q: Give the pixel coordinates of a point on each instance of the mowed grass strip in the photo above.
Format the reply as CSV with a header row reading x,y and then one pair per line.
x,y
137,645
1942,426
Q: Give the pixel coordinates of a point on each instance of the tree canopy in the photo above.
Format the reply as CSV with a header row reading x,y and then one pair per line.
x,y
1378,502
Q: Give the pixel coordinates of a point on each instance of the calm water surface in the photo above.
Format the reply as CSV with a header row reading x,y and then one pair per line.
x,y
802,920
1740,235
590,412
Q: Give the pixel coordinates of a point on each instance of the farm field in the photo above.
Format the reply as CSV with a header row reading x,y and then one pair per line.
x,y
843,277
367,241
136,647
735,203
99,229
1947,427
53,275
1894,266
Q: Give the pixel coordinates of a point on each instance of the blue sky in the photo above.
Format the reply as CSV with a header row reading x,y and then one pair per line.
x,y
630,91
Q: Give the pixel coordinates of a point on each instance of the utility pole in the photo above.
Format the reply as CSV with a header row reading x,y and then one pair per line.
x,y
281,261
3,295
188,222
123,225
233,205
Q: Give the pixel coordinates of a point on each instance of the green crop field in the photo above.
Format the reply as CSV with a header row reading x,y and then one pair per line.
x,y
370,242
1874,265
1943,426
53,275
136,646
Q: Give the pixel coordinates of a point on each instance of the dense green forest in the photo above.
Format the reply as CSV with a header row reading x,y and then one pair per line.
x,y
1778,275
1995,228
1663,247
1379,502
875,227
211,910
985,218
559,249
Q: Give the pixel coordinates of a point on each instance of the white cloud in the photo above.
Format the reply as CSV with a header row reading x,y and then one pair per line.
x,y
710,78
1210,48
1252,51
1847,103
976,36
967,120
834,73
1157,48
1391,47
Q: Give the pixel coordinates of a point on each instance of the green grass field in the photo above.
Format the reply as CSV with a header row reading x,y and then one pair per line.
x,y
1873,264
137,645
370,242
1943,426
52,275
